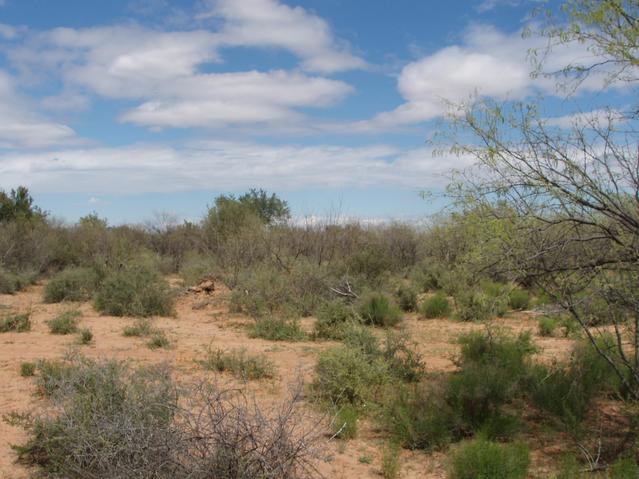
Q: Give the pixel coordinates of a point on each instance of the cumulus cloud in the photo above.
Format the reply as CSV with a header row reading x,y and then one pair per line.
x,y
222,165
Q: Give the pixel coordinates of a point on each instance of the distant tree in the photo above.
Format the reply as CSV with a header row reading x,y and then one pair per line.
x,y
18,205
270,209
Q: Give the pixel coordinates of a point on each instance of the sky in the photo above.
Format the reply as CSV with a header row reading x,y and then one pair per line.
x,y
129,108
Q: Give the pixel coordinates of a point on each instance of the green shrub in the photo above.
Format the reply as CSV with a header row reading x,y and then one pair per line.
x,y
85,336
11,283
406,298
390,460
547,325
378,310
73,284
27,369
346,375
519,299
135,291
482,459
426,277
475,306
276,329
158,340
240,363
17,323
624,468
65,323
196,267
332,319
345,423
360,337
437,306
264,291
142,327
53,374
403,361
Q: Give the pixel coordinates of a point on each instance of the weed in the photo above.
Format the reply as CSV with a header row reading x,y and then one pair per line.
x,y
240,363
65,323
158,340
345,422
27,369
390,460
17,323
437,306
85,336
275,329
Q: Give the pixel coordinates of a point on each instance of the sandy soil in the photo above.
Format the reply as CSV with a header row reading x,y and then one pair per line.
x,y
204,320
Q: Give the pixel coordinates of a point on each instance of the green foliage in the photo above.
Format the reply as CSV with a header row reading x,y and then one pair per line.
x,y
426,277
332,319
345,422
547,325
239,363
519,299
376,309
65,323
11,283
73,284
406,298
476,306
135,291
158,340
624,468
263,291
390,460
18,205
195,267
361,337
85,336
436,306
403,361
27,369
277,329
16,323
482,459
141,327
53,375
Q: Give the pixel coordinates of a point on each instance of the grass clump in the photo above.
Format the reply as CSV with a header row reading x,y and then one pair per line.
x,y
345,422
239,363
27,369
376,309
11,283
65,323
85,336
482,459
158,340
390,460
135,291
437,306
406,298
519,299
277,329
141,328
475,306
547,326
15,323
73,284
332,319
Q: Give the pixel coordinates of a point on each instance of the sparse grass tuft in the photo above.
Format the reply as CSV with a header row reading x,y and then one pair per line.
x,y
482,459
142,327
240,363
16,323
390,460
437,306
276,329
27,369
158,340
85,336
65,323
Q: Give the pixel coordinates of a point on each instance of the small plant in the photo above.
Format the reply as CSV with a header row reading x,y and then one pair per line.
x,y
437,306
85,336
406,298
390,460
547,326
27,369
519,299
141,328
240,363
275,329
158,340
332,318
73,284
376,309
482,459
17,323
624,468
65,323
53,374
345,423
475,306
365,459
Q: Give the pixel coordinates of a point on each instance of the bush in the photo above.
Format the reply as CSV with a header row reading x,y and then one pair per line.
x,y
406,298
403,361
27,369
547,325
390,460
85,336
114,422
11,283
519,299
437,306
345,423
475,306
17,323
427,278
275,329
135,292
158,340
482,459
360,337
378,310
65,323
73,284
346,375
263,291
240,363
332,319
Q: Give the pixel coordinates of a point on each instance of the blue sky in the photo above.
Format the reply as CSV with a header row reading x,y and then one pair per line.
x,y
131,107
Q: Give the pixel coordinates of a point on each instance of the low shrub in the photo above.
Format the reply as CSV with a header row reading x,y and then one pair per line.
x,y
196,267
360,337
85,336
73,284
482,459
624,468
426,277
54,374
345,422
27,369
11,283
142,327
346,375
16,323
376,309
262,292
135,291
332,319
158,340
239,363
404,362
276,329
474,306
437,306
65,323
547,326
406,298
390,460
519,299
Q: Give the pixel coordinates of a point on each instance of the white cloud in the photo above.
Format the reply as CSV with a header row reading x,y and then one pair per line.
x,y
222,165
20,127
595,118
